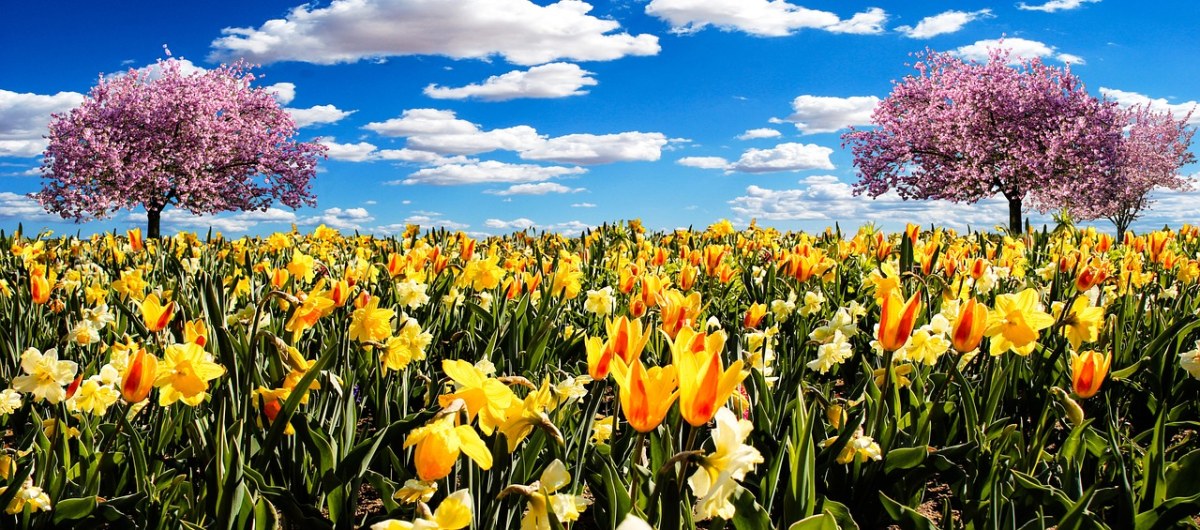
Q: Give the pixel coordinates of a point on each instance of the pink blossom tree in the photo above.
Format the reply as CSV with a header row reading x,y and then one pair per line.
x,y
206,142
1152,150
965,131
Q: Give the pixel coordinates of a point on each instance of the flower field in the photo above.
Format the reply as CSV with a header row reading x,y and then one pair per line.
x,y
690,379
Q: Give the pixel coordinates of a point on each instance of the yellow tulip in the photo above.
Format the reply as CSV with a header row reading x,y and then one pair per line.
x,y
1088,371
704,385
968,328
155,314
139,376
646,395
896,320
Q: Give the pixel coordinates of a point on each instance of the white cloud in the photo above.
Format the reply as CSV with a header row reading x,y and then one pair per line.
x,y
20,207
427,158
554,80
599,148
486,172
153,70
825,198
1055,5
181,220
341,218
704,162
283,93
768,18
318,114
359,152
1020,49
539,188
784,157
351,30
515,224
1178,110
441,131
821,114
424,219
25,117
942,23
754,134
583,205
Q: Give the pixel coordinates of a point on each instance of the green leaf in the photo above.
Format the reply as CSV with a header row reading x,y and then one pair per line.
x,y
822,521
1167,513
904,458
909,517
1183,475
73,509
749,515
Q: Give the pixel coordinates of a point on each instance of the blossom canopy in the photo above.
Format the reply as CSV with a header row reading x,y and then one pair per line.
x,y
206,142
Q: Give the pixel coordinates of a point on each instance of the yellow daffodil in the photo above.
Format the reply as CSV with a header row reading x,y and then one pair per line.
x,y
484,396
1015,322
28,497
440,442
45,375
454,513
314,306
716,479
184,373
544,498
370,323
1082,322
406,346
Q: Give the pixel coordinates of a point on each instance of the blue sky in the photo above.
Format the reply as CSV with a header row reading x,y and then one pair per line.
x,y
493,115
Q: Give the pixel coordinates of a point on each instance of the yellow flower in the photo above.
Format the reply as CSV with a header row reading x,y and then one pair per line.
x,y
301,266
271,401
1082,323
196,332
716,479
896,319
39,288
1015,322
482,274
543,498
93,396
1088,371
969,326
139,376
184,373
602,430
29,496
314,306
407,346
370,323
484,396
45,375
454,513
703,383
156,315
860,448
440,442
646,395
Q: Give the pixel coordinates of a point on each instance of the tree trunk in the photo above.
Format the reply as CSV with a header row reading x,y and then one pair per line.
x,y
1014,216
152,221
1122,226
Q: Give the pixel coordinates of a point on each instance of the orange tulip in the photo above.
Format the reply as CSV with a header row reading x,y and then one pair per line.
x,y
646,395
1090,276
896,320
687,277
969,326
195,332
139,376
704,384
626,339
754,316
1088,371
135,239
39,287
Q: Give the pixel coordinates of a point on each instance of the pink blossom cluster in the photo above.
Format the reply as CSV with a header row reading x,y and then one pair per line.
x,y
964,131
206,142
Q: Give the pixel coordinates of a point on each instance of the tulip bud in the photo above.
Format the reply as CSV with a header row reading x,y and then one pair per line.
x,y
139,376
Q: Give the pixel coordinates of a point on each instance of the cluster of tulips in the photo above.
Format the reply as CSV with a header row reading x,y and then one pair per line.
x,y
619,379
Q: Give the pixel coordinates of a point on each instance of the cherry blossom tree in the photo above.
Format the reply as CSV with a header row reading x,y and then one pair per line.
x,y
965,131
205,142
1152,150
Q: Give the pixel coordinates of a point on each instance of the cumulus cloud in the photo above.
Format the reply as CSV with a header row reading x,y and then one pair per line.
x,y
784,157
317,114
825,198
235,223
767,18
942,23
1055,5
422,219
520,31
341,218
426,158
283,93
442,131
754,134
704,162
357,152
540,188
599,148
515,224
486,172
821,114
24,120
554,80
1021,49
583,205
1179,110
19,207
523,223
